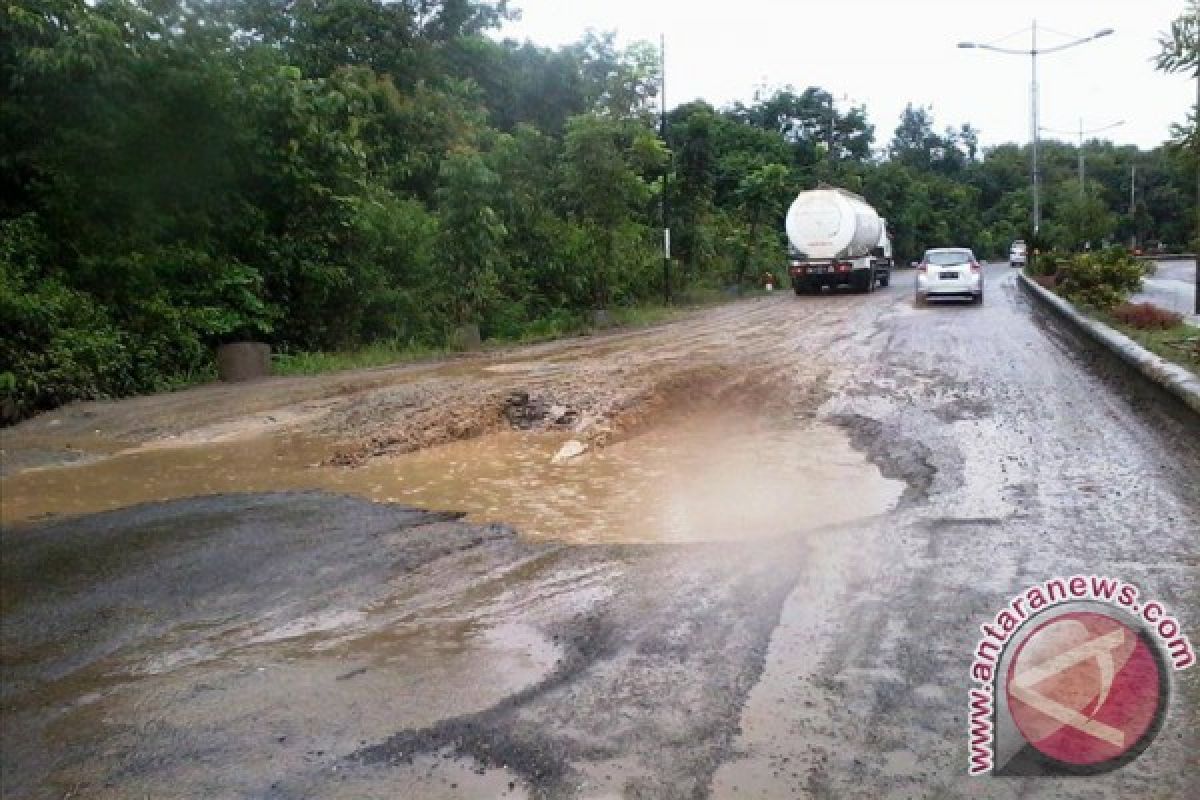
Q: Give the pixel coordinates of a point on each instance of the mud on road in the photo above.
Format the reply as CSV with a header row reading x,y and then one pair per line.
x,y
648,408
762,577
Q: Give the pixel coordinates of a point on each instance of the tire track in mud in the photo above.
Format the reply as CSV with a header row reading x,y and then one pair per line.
x,y
645,699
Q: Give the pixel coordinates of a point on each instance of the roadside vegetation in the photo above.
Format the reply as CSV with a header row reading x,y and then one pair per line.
x,y
1100,284
1159,330
1179,343
361,178
1095,280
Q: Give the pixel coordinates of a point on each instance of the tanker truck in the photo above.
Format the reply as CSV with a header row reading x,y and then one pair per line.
x,y
836,239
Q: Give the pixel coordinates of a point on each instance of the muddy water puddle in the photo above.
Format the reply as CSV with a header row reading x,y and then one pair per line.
x,y
705,477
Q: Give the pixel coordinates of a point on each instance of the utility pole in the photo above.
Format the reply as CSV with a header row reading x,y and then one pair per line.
x,y
662,132
1082,181
1082,158
832,120
1133,204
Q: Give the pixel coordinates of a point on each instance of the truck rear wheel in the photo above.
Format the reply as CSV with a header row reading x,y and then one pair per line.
x,y
868,285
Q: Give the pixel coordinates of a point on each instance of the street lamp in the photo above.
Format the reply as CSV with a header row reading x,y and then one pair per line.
x,y
1033,53
1082,133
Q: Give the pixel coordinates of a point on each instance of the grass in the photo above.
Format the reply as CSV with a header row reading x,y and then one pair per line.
x,y
1180,344
387,353
379,354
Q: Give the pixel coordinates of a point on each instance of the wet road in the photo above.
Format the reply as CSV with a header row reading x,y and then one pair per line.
x,y
1172,286
313,645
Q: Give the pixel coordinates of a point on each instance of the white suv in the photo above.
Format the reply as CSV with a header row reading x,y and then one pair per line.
x,y
950,272
1016,254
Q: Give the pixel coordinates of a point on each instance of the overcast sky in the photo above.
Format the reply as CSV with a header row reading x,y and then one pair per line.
x,y
885,53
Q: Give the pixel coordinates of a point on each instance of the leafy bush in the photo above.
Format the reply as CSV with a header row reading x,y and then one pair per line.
x,y
1101,279
1048,262
1147,316
56,344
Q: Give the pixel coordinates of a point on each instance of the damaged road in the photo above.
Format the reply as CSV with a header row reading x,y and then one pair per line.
x,y
762,575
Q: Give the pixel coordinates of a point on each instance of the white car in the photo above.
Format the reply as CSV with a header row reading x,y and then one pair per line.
x,y
1016,254
950,272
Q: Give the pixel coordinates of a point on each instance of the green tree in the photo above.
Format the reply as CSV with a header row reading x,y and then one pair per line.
x,y
1080,219
1179,51
472,242
763,196
605,177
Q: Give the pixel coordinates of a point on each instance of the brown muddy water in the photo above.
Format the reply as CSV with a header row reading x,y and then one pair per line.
x,y
704,477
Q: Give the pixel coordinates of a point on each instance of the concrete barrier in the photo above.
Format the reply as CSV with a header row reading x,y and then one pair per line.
x,y
466,338
1175,379
243,361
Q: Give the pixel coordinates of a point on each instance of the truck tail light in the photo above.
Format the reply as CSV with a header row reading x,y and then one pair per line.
x,y
975,267
922,267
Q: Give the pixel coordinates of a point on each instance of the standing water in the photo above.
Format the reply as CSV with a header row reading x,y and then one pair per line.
x,y
704,477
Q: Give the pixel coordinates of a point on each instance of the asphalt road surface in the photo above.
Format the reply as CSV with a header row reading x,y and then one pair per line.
x,y
1172,286
295,644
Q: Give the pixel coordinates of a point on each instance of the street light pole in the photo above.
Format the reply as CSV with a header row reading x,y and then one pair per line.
x,y
1033,53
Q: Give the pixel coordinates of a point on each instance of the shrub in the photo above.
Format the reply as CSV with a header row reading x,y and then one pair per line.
x,y
57,344
1100,279
1146,316
1048,262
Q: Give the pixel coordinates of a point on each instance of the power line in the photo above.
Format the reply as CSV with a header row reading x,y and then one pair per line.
x,y
1059,33
1026,29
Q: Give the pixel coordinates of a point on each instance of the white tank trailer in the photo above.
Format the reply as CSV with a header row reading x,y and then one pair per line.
x,y
836,239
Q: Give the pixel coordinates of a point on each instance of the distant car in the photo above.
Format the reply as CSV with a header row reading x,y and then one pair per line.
x,y
950,272
1016,254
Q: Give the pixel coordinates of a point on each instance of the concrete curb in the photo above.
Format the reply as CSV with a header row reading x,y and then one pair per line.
x,y
1172,377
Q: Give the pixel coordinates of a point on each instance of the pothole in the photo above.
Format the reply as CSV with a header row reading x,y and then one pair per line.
x,y
710,475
